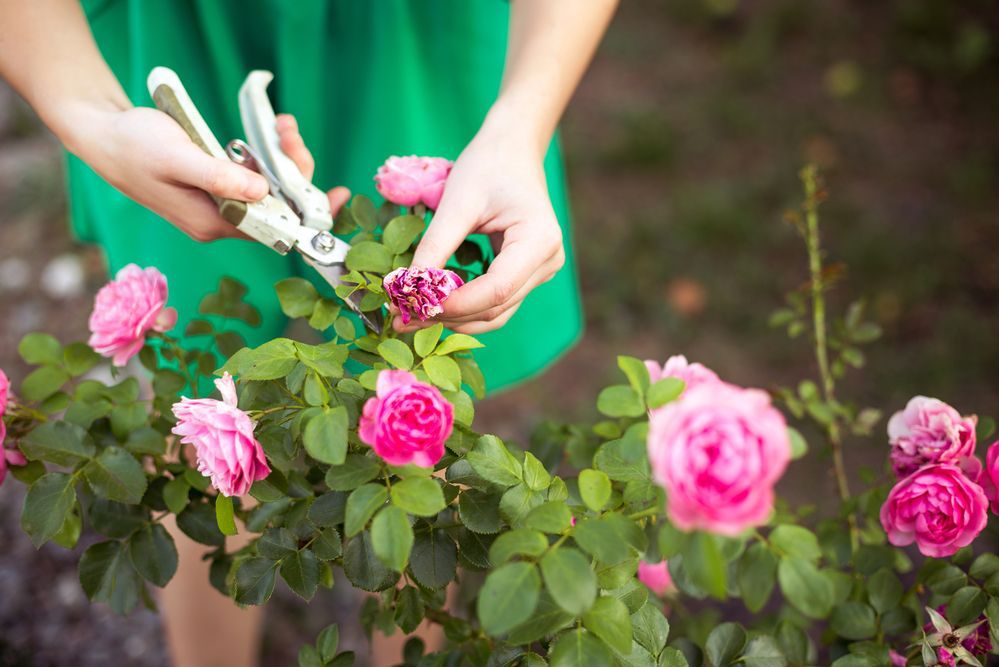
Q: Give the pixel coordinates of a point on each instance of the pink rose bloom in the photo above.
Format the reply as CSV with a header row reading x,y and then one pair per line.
x,y
126,309
410,180
938,508
718,451
407,421
656,576
929,431
420,292
991,476
896,659
222,436
678,367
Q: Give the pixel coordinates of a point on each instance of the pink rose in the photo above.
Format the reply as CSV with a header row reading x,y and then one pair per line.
x,y
656,576
410,180
678,367
896,659
991,476
420,292
938,507
929,431
718,451
126,309
222,436
407,421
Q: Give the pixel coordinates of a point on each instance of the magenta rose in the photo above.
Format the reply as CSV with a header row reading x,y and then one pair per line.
x,y
126,309
4,393
412,180
407,421
990,477
420,293
656,577
929,431
938,508
678,367
222,436
718,451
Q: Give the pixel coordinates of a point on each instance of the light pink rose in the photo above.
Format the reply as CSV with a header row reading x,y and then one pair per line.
x,y
656,576
938,508
410,180
126,309
407,421
718,451
222,436
678,367
929,431
420,292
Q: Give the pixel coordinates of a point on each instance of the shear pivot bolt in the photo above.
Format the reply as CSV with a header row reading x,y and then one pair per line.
x,y
323,242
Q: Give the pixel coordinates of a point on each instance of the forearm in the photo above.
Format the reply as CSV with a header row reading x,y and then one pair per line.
x,y
49,56
550,44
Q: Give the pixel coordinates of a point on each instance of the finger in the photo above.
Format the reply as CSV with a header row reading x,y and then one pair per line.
x,y
450,226
293,145
222,178
338,196
543,274
473,328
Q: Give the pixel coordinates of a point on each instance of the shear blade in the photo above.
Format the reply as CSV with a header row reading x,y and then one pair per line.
x,y
333,274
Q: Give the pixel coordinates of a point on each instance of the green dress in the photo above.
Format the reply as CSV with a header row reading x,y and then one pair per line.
x,y
366,79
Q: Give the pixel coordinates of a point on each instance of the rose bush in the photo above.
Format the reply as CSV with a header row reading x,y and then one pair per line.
x,y
575,546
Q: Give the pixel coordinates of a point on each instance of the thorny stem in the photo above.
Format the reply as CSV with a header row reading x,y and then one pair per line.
x,y
809,177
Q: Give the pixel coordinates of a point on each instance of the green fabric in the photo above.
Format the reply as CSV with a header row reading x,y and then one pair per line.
x,y
366,80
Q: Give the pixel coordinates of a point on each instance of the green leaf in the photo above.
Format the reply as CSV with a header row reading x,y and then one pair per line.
x,y
421,496
364,213
547,619
535,475
297,296
570,580
805,586
153,554
369,256
549,517
457,342
425,340
300,571
884,590
620,401
107,575
508,597
396,353
324,314
520,542
326,359
609,620
494,463
79,358
854,620
40,348
517,502
636,372
443,372
272,360
594,488
479,511
355,470
756,576
224,515
362,503
763,652
624,460
600,540
392,537
328,641
799,447
966,605
400,232
116,475
175,494
49,500
665,391
706,564
325,436
198,522
434,559
409,609
725,644
58,442
986,565
797,541
671,657
277,543
255,580
327,545
579,648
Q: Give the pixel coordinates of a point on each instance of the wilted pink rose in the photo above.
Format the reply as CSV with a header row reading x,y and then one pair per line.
x,y
896,659
990,478
929,431
678,367
407,421
718,451
222,436
656,576
410,180
938,508
126,309
420,292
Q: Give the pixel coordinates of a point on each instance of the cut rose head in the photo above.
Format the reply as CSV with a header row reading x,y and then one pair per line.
x,y
420,293
929,431
126,309
222,436
407,421
412,180
938,508
718,450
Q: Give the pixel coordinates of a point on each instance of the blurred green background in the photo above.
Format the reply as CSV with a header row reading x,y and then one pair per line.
x,y
683,146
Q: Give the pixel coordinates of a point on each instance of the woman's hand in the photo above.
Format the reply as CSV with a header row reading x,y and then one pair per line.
x,y
497,187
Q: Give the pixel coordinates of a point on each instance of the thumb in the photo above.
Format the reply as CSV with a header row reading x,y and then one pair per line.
x,y
218,177
450,226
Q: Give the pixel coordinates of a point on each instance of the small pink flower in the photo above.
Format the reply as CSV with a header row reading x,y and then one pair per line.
x,y
678,367
420,292
896,659
126,309
222,436
4,392
938,508
929,431
718,451
410,180
407,421
656,576
991,475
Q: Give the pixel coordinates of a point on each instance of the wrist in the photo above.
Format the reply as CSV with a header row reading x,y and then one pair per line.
x,y
517,125
78,123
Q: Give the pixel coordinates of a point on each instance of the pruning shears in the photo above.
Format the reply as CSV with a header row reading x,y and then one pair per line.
x,y
296,214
